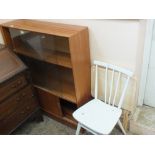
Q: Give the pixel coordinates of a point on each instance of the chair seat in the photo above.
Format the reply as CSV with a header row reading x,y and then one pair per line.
x,y
98,116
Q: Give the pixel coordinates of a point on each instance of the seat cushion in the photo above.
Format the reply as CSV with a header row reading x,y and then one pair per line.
x,y
98,116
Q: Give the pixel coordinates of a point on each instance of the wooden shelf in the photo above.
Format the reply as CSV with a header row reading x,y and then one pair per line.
x,y
69,97
54,57
68,109
55,79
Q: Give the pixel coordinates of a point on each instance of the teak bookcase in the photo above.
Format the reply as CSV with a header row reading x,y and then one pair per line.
x,y
59,61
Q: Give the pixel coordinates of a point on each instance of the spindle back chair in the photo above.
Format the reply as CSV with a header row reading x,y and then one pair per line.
x,y
93,115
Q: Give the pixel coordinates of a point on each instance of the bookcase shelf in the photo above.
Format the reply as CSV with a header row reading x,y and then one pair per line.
x,y
68,97
43,47
54,57
58,58
55,79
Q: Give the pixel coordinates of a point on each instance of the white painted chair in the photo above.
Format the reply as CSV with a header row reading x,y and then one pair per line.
x,y
100,117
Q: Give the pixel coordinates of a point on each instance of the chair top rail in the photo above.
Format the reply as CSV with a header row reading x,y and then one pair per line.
x,y
119,69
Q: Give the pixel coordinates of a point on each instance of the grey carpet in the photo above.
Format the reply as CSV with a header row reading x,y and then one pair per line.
x,y
50,127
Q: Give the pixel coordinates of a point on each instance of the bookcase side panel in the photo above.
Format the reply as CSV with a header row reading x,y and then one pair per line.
x,y
80,57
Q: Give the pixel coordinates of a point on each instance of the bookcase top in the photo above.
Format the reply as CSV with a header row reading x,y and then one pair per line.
x,y
64,30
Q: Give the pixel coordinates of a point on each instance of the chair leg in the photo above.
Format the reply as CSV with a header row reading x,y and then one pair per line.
x,y
78,129
121,126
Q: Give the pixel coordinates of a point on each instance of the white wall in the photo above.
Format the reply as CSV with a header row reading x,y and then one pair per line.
x,y
114,41
119,42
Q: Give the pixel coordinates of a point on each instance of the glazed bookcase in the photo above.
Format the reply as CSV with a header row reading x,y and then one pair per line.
x,y
58,57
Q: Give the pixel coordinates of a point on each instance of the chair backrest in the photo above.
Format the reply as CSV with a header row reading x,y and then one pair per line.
x,y
114,69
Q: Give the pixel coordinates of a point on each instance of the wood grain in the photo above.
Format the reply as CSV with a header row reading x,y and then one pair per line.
x,y
57,29
67,73
80,57
10,65
49,102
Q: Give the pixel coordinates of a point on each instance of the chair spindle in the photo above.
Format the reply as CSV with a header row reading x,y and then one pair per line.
x,y
119,74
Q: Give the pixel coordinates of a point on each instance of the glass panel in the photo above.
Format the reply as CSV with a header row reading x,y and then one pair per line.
x,y
45,75
50,48
53,78
48,59
67,82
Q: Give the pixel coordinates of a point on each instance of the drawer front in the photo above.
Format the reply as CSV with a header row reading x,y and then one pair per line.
x,y
12,86
14,102
10,123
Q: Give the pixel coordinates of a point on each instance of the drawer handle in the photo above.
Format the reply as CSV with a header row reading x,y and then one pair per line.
x,y
28,108
13,86
17,84
4,121
22,112
23,94
18,99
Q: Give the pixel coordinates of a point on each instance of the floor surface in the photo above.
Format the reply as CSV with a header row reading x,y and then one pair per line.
x,y
143,122
50,127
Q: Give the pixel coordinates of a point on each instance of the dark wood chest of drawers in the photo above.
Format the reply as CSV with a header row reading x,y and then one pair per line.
x,y
17,97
